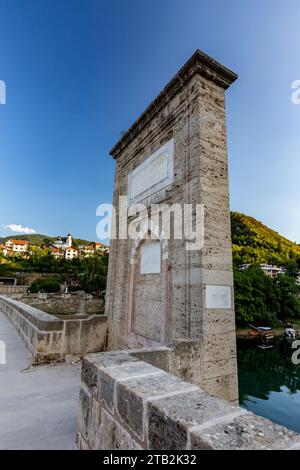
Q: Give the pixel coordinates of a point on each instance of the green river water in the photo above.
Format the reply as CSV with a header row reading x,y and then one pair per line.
x,y
269,382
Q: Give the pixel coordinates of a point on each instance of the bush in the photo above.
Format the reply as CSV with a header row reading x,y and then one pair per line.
x,y
259,298
49,285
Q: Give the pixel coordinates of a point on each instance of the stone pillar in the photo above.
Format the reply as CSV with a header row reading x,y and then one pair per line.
x,y
160,293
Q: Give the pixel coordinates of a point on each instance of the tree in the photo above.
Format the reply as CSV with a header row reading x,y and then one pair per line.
x,y
255,299
292,269
288,293
46,285
260,298
95,273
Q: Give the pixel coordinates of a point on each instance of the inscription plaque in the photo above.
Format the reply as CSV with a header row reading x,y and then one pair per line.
x,y
151,259
218,297
154,174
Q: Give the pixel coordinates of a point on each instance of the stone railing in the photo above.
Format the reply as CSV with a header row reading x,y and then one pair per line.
x,y
51,338
61,303
13,290
126,403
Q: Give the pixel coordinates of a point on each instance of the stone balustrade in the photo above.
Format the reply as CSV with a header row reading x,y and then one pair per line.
x,y
126,403
51,338
60,303
13,290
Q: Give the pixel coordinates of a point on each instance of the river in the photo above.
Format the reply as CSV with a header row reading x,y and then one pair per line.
x,y
269,382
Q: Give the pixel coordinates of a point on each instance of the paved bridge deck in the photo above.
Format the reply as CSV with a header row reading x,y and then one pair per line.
x,y
38,406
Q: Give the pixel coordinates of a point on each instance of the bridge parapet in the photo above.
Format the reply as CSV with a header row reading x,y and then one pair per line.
x,y
127,404
50,338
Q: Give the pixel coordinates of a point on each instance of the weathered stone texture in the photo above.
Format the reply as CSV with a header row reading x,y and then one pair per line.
x,y
129,404
50,338
72,303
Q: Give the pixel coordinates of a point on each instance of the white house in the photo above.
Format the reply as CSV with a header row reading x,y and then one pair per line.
x,y
71,252
16,246
269,269
63,245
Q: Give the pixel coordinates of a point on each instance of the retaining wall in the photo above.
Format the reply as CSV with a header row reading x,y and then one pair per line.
x,y
13,290
126,403
51,338
60,304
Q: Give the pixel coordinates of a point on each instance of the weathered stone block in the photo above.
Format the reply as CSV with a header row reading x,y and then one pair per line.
x,y
114,436
130,408
243,433
93,334
223,386
81,442
157,357
169,419
106,389
132,395
89,374
57,342
110,359
186,360
85,405
42,342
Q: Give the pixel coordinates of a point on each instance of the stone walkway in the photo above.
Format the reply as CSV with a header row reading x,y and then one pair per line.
x,y
38,406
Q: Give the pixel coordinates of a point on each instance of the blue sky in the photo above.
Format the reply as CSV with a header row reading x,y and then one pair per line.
x,y
79,72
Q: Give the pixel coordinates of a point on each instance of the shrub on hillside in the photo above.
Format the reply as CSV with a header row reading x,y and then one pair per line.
x,y
45,285
259,298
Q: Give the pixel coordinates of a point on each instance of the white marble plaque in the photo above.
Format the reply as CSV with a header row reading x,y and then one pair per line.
x,y
151,259
155,171
154,174
218,297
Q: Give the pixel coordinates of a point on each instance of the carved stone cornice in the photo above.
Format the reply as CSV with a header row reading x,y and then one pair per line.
x,y
201,64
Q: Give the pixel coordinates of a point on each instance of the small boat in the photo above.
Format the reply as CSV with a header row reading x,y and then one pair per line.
x,y
290,332
265,346
261,331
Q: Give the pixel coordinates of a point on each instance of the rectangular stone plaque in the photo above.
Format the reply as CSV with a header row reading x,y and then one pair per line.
x,y
218,297
151,259
154,174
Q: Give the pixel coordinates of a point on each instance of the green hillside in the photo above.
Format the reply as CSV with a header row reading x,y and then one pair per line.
x,y
38,239
254,242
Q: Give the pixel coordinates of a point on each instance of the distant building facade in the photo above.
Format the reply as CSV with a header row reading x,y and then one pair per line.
x,y
269,269
61,248
71,252
15,247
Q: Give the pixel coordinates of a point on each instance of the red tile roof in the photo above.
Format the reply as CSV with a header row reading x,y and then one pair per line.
x,y
19,242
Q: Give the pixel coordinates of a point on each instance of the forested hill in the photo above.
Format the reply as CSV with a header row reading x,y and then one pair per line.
x,y
254,242
39,240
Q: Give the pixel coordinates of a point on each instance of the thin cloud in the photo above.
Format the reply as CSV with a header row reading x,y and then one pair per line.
x,y
18,228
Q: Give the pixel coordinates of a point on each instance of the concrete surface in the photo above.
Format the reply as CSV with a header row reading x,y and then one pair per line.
x,y
38,405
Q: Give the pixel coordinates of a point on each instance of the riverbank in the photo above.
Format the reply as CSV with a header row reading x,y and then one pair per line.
x,y
278,330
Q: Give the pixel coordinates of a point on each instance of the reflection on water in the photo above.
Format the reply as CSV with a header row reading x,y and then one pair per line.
x,y
269,383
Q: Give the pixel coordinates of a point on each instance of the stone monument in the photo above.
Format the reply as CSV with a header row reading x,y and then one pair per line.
x,y
161,292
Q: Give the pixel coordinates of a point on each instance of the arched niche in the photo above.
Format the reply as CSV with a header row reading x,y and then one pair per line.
x,y
148,301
